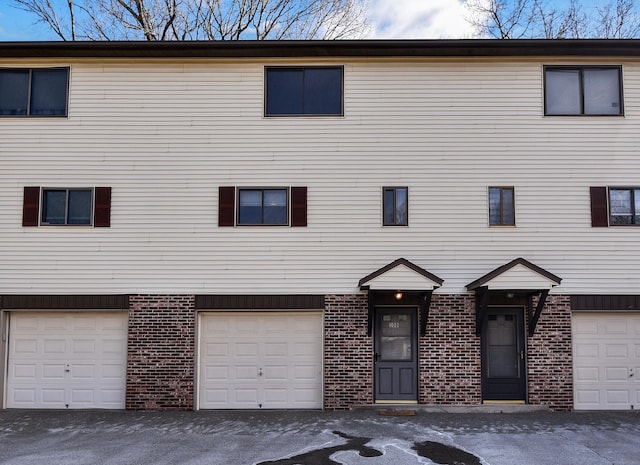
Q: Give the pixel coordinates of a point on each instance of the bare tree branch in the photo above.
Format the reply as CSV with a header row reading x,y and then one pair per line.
x,y
514,19
199,19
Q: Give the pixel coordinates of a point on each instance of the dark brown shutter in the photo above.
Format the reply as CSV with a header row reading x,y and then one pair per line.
x,y
599,210
298,206
102,214
31,206
226,206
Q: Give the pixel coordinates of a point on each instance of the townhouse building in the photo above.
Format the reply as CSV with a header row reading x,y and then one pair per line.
x,y
266,225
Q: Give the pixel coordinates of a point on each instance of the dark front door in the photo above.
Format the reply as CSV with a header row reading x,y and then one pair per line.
x,y
396,354
503,357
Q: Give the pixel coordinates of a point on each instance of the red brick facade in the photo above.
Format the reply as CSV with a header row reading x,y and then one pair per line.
x,y
161,358
450,353
550,356
348,352
161,353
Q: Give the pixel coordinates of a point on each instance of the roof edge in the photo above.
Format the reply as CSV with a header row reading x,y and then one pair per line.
x,y
501,269
317,48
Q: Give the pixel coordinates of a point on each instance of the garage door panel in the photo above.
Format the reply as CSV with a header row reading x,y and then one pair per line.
x,y
584,350
245,373
616,350
54,346
53,397
67,360
269,357
24,371
246,349
606,352
53,371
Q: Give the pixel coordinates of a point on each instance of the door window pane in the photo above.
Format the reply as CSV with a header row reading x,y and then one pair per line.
x,y
503,349
395,337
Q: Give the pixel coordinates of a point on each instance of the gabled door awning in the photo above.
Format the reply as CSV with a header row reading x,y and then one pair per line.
x,y
518,277
401,277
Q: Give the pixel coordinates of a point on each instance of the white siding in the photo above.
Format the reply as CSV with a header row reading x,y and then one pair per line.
x,y
165,135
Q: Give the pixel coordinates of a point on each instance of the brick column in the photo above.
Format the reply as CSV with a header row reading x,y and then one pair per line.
x,y
348,352
161,358
450,371
550,356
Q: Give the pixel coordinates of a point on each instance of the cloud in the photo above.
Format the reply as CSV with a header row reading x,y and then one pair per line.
x,y
418,19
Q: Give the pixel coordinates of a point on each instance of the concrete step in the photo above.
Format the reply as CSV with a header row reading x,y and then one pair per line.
x,y
412,409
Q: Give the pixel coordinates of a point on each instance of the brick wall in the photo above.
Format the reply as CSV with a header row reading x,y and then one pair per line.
x,y
550,356
450,353
160,359
348,353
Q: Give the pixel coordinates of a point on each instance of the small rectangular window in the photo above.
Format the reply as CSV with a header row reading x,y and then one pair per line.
x,y
314,91
395,206
502,206
624,206
263,207
582,90
34,92
67,206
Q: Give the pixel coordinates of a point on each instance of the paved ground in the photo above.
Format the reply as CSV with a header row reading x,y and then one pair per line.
x,y
318,438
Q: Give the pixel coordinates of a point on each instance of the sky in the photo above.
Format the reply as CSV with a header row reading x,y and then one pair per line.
x,y
389,19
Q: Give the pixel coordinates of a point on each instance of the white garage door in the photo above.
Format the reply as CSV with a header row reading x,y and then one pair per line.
x,y
67,360
260,360
606,353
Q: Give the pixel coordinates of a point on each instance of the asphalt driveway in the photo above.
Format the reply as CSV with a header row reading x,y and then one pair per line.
x,y
318,438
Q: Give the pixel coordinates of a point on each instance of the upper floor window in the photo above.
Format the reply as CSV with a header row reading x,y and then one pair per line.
x,y
67,206
248,206
262,206
502,210
582,90
312,91
395,210
624,205
34,92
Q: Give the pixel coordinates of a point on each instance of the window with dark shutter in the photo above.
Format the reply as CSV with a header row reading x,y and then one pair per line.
x,y
67,207
599,210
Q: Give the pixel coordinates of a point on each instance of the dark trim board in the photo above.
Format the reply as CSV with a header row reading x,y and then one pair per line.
x,y
603,303
260,302
65,302
463,48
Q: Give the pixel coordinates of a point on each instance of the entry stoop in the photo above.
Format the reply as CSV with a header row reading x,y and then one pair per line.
x,y
413,409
